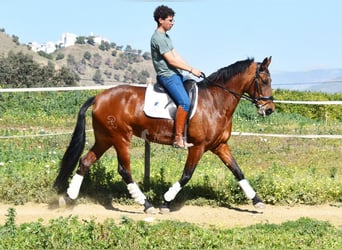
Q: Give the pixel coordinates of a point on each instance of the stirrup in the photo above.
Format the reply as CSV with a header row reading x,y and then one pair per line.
x,y
186,144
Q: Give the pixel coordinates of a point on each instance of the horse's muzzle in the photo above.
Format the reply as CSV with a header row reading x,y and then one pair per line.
x,y
266,109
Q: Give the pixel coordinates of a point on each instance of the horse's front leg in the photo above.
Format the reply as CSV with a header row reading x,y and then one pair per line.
x,y
193,158
225,155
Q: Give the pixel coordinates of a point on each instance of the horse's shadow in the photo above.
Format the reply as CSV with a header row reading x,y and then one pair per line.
x,y
55,204
244,210
178,205
118,190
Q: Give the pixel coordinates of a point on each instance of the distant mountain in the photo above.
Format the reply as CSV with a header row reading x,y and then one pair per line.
x,y
321,80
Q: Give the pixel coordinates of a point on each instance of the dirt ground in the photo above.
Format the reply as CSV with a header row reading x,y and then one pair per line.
x,y
223,217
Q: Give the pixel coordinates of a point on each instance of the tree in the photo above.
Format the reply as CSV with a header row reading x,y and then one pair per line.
x,y
105,46
98,77
113,45
87,55
66,77
59,56
142,76
91,40
128,48
15,39
19,70
80,40
97,61
44,54
147,56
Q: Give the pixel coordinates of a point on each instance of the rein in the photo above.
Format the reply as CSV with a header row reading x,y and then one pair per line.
x,y
253,100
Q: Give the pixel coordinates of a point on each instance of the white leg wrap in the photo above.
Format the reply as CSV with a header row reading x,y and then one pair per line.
x,y
172,192
247,189
136,193
74,186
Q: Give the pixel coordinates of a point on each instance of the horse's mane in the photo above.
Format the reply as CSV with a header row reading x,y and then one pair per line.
x,y
225,73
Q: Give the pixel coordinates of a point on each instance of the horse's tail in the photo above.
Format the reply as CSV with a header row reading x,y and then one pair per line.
x,y
74,150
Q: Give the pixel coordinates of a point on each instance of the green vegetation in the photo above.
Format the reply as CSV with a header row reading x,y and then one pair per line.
x,y
71,233
311,176
282,170
325,113
35,129
19,70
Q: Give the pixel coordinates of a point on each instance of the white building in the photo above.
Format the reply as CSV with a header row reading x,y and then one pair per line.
x,y
68,39
48,47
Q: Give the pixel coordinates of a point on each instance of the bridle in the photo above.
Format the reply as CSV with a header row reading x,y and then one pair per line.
x,y
257,92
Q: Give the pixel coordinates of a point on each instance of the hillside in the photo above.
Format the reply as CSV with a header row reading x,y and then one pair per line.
x,y
113,65
90,63
7,44
117,65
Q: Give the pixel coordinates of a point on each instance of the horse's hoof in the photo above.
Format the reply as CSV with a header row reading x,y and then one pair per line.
x,y
165,208
64,201
151,210
148,208
259,205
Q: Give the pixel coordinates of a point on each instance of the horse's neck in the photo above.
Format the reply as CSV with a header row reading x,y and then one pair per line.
x,y
235,89
242,83
226,99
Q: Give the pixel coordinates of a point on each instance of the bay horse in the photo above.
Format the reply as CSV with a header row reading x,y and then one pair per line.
x,y
117,116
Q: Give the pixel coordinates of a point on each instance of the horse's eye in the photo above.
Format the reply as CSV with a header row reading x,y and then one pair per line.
x,y
266,80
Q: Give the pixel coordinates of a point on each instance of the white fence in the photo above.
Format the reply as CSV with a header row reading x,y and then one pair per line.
x,y
233,133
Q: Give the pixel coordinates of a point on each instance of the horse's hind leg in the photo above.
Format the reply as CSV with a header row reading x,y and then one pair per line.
x,y
84,165
125,172
225,155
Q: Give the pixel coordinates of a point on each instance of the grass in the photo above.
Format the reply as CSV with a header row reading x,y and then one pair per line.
x,y
312,176
71,233
282,170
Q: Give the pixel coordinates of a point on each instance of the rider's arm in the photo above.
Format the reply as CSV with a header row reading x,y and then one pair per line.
x,y
175,60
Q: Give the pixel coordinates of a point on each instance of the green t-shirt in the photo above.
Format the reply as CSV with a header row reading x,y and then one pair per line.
x,y
160,44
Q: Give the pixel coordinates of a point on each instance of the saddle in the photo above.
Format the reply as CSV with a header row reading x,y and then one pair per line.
x,y
159,104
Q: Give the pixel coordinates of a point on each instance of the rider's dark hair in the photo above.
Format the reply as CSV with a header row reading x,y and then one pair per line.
x,y
163,12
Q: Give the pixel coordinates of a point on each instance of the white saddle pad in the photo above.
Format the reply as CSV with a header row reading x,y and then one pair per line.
x,y
160,105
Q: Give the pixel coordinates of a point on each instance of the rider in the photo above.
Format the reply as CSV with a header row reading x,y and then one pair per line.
x,y
168,65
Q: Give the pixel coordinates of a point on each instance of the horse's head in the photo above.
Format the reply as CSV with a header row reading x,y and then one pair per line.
x,y
261,91
246,79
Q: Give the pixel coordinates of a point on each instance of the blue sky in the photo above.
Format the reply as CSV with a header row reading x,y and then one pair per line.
x,y
300,35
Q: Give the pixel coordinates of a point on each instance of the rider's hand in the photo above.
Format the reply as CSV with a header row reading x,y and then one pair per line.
x,y
196,72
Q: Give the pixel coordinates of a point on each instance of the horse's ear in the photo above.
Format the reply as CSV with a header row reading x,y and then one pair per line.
x,y
266,63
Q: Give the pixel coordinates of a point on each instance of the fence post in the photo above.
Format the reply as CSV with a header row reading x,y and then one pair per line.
x,y
147,164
